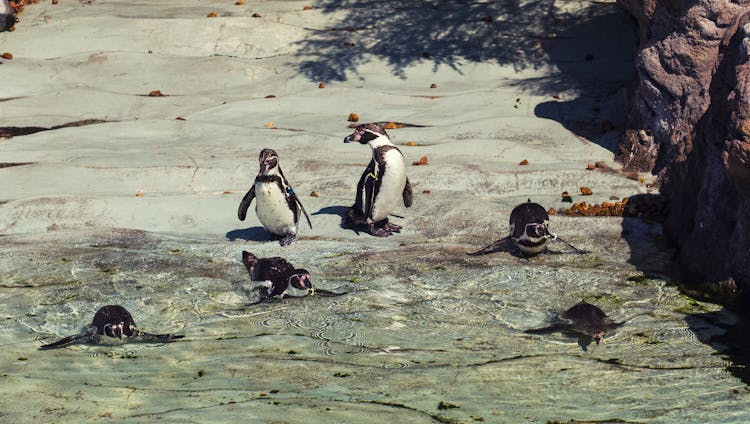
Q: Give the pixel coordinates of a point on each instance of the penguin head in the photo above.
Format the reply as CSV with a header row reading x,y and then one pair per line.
x,y
114,321
268,161
366,133
301,280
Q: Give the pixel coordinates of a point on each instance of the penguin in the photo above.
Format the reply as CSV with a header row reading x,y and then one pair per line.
x,y
278,207
285,280
383,184
529,231
583,320
7,16
588,319
114,322
528,228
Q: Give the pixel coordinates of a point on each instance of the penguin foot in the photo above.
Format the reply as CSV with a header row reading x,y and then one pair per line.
x,y
384,230
288,239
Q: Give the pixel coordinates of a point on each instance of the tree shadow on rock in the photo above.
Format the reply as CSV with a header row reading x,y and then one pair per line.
x,y
586,49
444,33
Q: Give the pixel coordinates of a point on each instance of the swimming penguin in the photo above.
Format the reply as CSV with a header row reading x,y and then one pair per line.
x,y
277,207
382,186
587,319
584,320
529,231
115,322
285,280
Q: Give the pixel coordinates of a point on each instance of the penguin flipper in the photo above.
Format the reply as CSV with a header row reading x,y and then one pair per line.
x,y
246,201
407,193
160,338
296,199
496,246
67,341
577,250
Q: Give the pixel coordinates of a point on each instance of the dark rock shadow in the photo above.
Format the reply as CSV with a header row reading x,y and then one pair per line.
x,y
729,340
258,234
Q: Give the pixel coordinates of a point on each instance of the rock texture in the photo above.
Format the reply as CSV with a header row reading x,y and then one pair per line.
x,y
690,122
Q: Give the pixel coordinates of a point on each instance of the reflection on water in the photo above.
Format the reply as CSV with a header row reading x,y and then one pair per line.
x,y
423,334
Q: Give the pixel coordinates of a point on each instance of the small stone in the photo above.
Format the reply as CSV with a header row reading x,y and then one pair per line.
x,y
433,85
590,167
411,143
270,96
353,117
256,15
239,2
524,162
268,125
308,7
422,161
7,56
212,15
425,191
322,85
313,194
155,93
586,191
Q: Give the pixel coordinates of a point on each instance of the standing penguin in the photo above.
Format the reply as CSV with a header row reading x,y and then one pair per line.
x,y
113,321
382,186
7,17
528,230
284,278
278,207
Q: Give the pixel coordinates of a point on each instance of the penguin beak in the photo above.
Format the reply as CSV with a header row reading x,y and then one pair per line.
x,y
355,136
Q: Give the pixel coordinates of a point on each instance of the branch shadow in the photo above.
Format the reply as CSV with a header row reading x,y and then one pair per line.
x,y
586,50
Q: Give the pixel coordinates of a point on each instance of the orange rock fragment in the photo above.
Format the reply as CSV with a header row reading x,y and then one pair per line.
x,y
155,93
551,211
391,125
322,85
212,15
590,167
411,143
239,2
308,7
425,191
313,194
422,161
353,117
256,15
180,118
268,125
433,85
586,191
524,162
7,56
270,96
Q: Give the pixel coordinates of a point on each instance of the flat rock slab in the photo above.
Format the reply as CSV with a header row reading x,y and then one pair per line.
x,y
138,208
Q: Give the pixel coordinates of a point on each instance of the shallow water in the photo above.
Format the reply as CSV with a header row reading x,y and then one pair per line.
x,y
423,334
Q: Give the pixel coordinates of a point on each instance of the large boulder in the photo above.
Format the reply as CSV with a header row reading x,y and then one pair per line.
x,y
689,122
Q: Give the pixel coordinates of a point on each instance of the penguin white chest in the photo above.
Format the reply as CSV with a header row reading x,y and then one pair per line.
x,y
392,185
273,210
